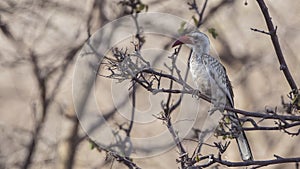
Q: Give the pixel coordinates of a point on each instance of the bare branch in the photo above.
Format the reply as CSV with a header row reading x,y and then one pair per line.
x,y
255,164
263,115
276,45
133,109
122,159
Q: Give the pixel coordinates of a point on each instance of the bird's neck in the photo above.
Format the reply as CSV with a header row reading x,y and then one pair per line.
x,y
200,50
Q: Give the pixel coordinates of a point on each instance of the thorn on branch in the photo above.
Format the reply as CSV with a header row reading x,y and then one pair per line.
x,y
282,67
277,156
260,31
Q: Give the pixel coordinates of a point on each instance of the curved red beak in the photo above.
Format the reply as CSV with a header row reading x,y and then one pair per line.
x,y
182,40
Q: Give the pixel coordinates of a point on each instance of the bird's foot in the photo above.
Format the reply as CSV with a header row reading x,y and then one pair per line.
x,y
196,94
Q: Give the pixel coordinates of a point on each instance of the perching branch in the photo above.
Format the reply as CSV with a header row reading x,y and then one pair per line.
x,y
255,164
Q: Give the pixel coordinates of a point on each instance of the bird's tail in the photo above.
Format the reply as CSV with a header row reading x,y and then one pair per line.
x,y
244,147
241,139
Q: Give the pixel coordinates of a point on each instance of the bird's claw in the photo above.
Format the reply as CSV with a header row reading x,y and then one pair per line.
x,y
196,94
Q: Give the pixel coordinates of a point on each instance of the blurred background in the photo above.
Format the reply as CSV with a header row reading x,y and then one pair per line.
x,y
39,43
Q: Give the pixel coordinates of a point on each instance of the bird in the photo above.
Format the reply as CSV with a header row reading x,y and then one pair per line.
x,y
211,79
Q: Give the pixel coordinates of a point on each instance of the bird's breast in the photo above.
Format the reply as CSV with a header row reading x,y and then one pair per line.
x,y
200,76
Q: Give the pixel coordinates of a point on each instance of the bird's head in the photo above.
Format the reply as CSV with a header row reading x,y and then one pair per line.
x,y
195,40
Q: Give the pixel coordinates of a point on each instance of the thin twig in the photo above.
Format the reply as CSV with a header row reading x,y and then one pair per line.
x,y
261,31
128,131
125,160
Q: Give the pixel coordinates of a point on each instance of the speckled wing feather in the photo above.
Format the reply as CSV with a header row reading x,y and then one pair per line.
x,y
218,74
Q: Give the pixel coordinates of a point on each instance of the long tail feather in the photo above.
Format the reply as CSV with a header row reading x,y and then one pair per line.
x,y
241,139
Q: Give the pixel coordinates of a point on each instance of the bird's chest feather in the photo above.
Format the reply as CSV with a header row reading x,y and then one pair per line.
x,y
200,75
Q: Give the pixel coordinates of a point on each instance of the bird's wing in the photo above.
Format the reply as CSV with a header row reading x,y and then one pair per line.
x,y
218,74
